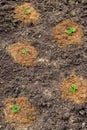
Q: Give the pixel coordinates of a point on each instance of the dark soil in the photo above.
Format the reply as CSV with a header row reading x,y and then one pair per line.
x,y
33,82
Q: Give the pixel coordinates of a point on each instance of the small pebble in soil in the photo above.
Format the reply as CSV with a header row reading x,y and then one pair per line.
x,y
71,119
83,124
73,13
66,116
82,113
48,94
71,2
39,36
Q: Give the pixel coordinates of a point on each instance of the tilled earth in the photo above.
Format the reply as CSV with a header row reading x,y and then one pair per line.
x,y
33,82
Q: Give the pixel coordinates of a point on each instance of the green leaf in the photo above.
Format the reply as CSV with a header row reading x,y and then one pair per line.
x,y
71,30
24,51
73,88
26,11
15,108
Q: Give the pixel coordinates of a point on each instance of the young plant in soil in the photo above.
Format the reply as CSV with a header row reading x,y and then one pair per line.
x,y
71,30
24,51
26,11
15,108
73,88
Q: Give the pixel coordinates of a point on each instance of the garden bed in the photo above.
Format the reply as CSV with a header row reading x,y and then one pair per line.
x,y
43,65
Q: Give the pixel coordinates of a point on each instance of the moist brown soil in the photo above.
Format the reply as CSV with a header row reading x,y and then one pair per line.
x,y
64,39
80,96
41,83
28,58
24,117
25,17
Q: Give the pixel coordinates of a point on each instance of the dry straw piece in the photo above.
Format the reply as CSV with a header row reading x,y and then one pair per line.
x,y
78,96
23,53
24,117
63,38
26,13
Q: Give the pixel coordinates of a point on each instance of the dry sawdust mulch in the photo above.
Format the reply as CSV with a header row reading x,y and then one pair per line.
x,y
64,39
80,95
23,53
24,117
26,13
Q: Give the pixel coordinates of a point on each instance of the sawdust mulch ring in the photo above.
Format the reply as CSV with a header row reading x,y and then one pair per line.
x,y
26,13
19,113
68,32
23,53
74,88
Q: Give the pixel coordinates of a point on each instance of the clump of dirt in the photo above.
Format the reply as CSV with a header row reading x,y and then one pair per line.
x,y
63,38
80,94
24,117
26,14
23,53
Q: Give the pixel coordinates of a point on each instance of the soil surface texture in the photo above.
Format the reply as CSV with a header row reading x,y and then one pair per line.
x,y
41,83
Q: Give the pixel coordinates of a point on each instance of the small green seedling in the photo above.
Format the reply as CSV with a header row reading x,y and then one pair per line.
x,y
15,108
26,11
71,30
24,51
73,88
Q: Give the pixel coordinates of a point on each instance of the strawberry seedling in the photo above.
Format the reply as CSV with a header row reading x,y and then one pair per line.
x,y
73,88
26,11
24,51
15,108
71,30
